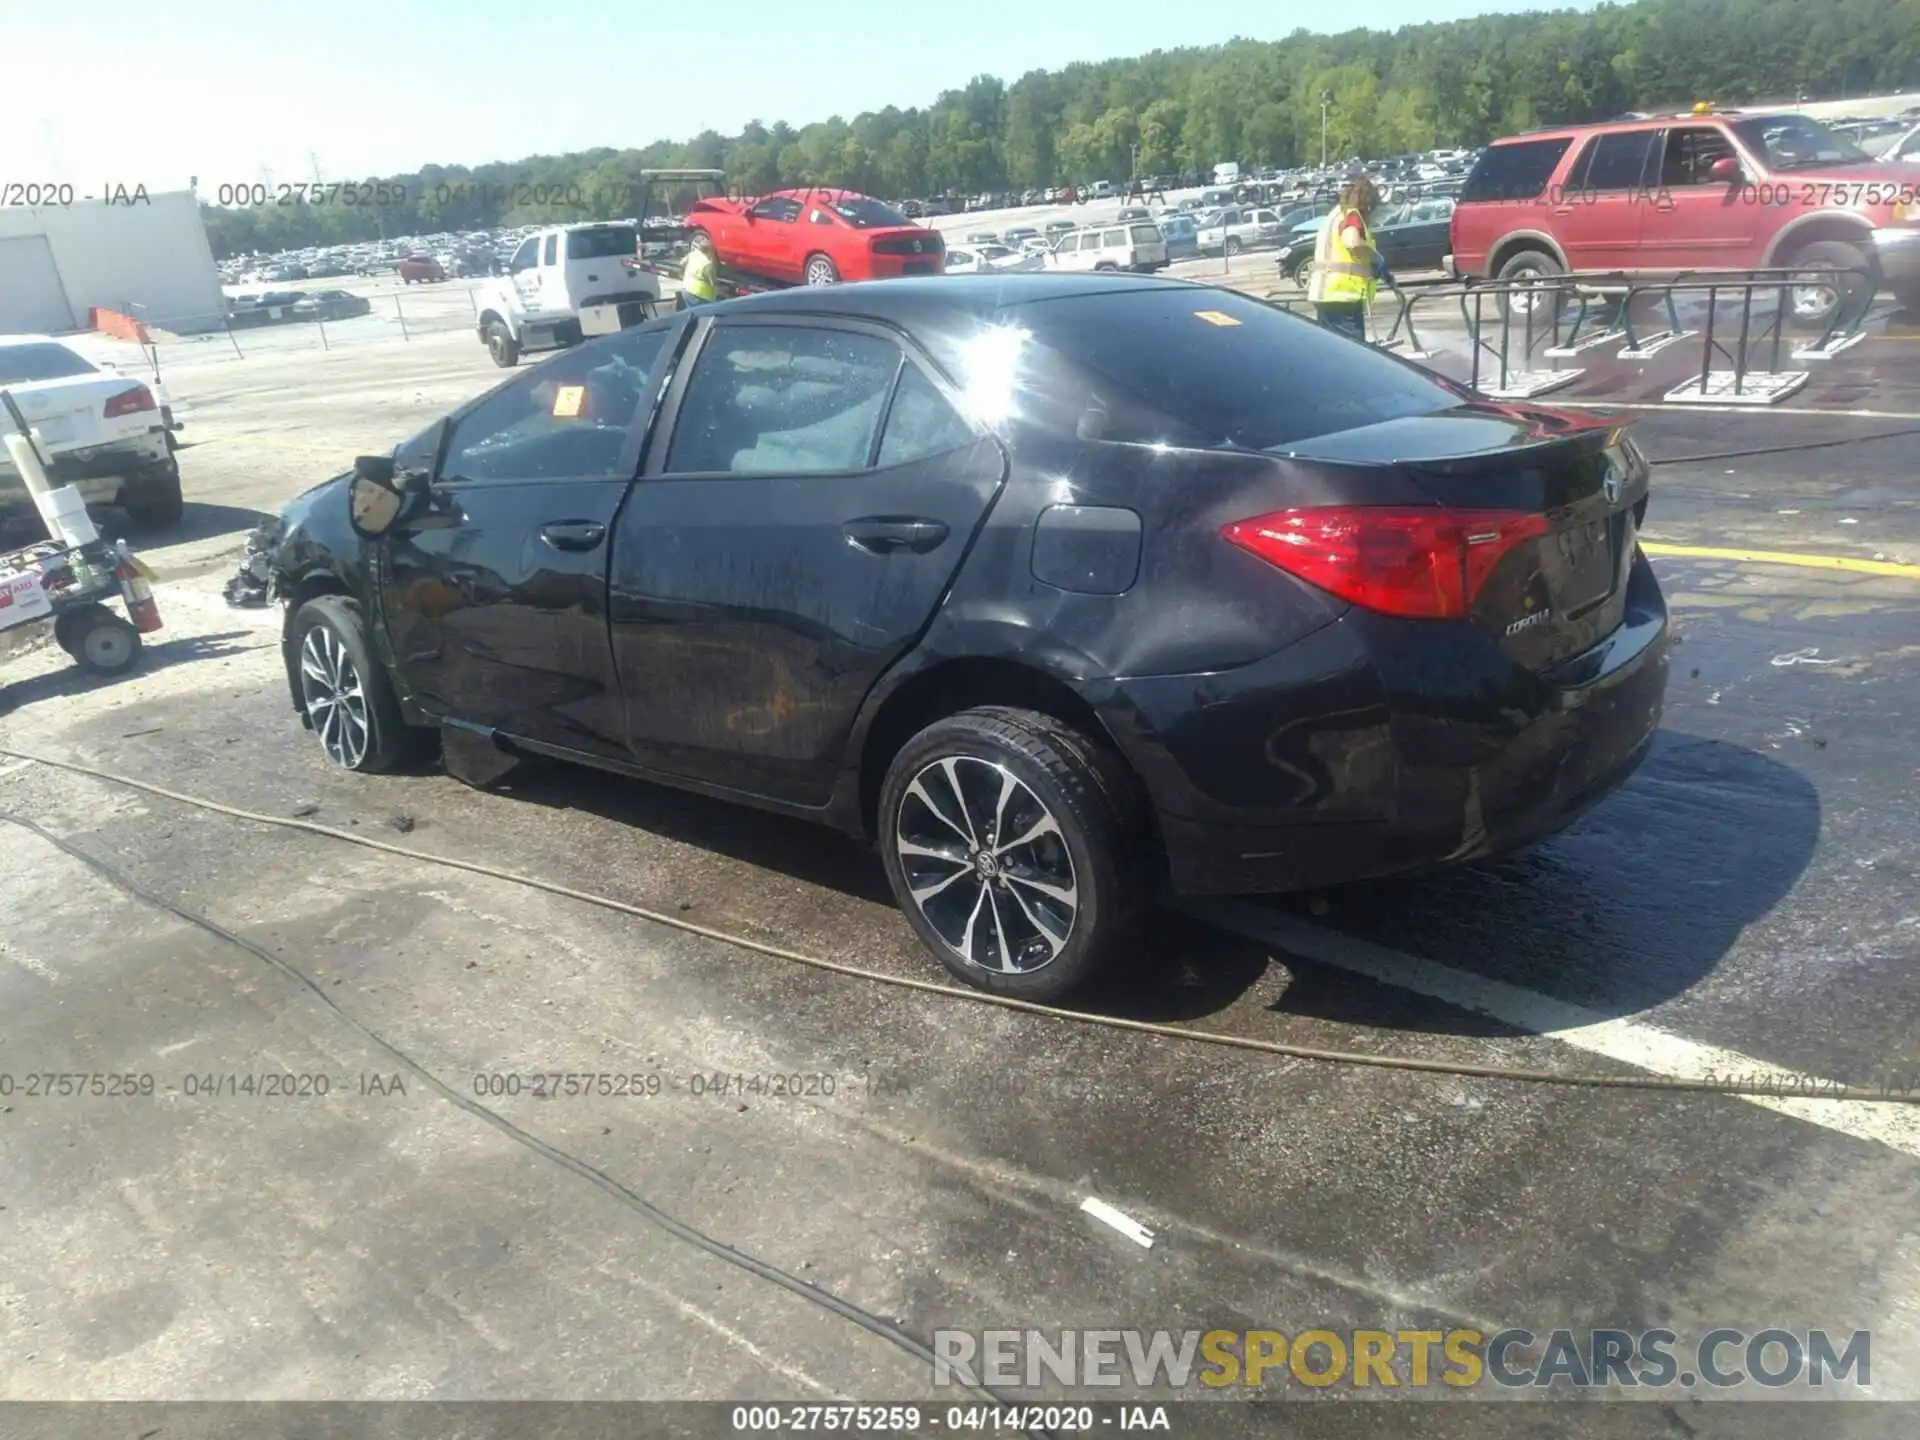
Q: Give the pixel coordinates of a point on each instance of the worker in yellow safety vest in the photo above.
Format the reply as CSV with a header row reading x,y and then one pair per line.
x,y
696,278
1346,266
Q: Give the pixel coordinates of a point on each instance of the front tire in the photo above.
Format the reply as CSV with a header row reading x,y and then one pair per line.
x,y
344,690
501,345
1011,841
821,271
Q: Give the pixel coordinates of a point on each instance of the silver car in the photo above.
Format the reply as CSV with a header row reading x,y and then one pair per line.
x,y
1235,229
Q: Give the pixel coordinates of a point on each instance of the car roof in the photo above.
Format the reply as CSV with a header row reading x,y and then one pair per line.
x,y
1643,122
29,340
917,300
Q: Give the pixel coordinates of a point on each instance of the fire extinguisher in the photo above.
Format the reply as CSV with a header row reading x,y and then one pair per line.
x,y
135,590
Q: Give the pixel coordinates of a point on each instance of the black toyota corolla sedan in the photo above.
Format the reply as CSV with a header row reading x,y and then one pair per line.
x,y
1067,591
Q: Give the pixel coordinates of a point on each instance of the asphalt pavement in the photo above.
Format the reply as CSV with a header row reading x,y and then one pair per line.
x,y
1748,903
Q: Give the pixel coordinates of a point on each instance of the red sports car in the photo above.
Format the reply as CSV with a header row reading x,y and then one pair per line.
x,y
816,237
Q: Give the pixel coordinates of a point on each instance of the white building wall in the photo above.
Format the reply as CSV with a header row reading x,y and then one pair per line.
x,y
151,255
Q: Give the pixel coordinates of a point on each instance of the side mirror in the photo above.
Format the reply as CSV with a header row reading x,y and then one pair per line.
x,y
1724,171
374,502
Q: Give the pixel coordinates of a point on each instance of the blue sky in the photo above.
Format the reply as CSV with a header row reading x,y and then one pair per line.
x,y
237,92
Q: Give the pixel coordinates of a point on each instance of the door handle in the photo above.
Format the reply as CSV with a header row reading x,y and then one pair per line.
x,y
573,534
884,535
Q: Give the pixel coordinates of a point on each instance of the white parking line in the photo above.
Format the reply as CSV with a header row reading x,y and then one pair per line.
x,y
1627,1041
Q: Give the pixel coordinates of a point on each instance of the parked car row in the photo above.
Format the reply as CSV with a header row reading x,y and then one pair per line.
x,y
274,307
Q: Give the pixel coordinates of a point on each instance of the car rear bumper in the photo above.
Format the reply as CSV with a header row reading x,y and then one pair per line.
x,y
1899,253
100,471
1318,766
892,267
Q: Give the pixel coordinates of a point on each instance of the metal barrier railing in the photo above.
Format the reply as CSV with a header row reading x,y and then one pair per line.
x,y
1510,353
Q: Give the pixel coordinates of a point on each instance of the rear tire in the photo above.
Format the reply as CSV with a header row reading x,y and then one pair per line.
x,y
1231,247
820,270
345,691
160,506
1035,915
1529,265
501,345
1813,307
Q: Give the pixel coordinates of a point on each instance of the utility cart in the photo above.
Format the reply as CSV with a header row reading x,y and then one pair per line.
x,y
69,587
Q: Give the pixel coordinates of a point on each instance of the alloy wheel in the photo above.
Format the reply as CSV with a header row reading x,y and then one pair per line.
x,y
336,701
1811,299
987,864
1519,301
820,271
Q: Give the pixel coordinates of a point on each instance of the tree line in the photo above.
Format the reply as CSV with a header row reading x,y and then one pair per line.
x,y
1258,102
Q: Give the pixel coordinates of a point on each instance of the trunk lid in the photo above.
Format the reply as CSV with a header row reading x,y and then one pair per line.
x,y
1556,501
68,411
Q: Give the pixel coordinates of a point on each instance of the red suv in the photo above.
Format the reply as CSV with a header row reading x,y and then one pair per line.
x,y
421,268
1711,189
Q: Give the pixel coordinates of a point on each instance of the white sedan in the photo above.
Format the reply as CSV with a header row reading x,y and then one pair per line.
x,y
105,432
993,260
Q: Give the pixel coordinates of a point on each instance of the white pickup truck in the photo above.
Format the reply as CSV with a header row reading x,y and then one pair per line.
x,y
552,277
103,431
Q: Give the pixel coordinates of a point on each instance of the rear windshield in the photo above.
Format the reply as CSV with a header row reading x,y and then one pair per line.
x,y
1147,235
602,244
1209,367
866,214
21,363
1519,171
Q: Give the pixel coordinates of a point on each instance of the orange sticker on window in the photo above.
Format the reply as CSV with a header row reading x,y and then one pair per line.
x,y
568,400
1216,317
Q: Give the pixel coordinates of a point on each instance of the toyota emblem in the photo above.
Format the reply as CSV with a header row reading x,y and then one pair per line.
x,y
916,247
1612,486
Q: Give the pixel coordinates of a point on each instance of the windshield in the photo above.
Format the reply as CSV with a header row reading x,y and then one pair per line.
x,y
602,244
1793,142
867,214
20,364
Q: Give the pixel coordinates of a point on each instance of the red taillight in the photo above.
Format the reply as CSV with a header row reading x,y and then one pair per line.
x,y
1424,563
131,402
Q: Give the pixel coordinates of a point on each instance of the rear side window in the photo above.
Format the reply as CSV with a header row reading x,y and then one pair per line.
x,y
1614,162
613,241
920,422
1208,368
1519,171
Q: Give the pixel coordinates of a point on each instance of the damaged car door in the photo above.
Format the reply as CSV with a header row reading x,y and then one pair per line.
x,y
786,544
494,593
